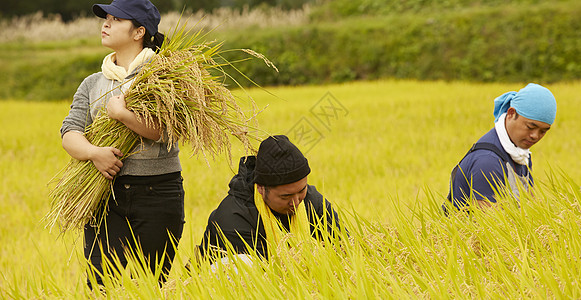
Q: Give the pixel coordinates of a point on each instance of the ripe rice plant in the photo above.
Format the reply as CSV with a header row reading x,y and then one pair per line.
x,y
387,183
516,250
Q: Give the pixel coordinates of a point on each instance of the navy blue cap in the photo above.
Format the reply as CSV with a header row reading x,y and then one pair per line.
x,y
142,11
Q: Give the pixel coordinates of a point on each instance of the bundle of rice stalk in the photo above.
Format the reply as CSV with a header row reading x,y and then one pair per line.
x,y
175,91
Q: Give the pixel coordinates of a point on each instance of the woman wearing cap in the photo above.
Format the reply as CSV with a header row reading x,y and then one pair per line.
x,y
147,201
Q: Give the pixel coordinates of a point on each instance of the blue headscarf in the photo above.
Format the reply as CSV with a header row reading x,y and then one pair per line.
x,y
532,102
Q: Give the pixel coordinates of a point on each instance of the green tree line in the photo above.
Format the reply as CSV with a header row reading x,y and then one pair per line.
x,y
515,42
520,41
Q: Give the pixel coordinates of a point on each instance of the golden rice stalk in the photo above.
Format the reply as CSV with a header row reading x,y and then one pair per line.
x,y
175,91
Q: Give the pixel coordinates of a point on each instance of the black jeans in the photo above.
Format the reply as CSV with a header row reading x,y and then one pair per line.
x,y
148,210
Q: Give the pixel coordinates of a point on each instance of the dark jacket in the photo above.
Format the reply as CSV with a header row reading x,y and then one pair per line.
x,y
237,216
480,169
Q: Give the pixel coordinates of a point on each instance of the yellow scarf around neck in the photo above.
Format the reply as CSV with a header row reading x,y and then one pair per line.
x,y
115,72
275,232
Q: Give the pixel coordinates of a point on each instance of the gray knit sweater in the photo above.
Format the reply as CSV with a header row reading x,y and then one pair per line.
x,y
150,158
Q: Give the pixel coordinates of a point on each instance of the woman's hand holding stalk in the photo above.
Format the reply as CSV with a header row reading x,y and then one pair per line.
x,y
117,110
105,159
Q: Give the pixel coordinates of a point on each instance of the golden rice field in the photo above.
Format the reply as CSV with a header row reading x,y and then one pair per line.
x,y
381,152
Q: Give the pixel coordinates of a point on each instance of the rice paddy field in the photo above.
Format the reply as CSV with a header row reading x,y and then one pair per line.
x,y
381,152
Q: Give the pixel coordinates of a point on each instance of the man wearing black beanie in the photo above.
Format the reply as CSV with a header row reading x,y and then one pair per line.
x,y
279,173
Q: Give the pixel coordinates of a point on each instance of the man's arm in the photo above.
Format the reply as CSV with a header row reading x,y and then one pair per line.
x,y
226,228
323,210
486,175
333,222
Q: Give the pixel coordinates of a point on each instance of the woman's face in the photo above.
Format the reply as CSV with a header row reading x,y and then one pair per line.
x,y
117,33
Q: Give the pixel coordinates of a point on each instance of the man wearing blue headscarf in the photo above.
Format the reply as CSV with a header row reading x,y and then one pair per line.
x,y
502,157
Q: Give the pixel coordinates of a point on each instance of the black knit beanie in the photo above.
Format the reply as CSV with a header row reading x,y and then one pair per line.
x,y
279,162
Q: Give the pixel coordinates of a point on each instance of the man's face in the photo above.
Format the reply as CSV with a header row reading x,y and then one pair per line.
x,y
523,132
284,199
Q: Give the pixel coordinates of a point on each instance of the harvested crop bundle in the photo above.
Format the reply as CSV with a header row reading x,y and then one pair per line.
x,y
182,91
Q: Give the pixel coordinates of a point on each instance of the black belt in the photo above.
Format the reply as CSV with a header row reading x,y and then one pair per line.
x,y
147,180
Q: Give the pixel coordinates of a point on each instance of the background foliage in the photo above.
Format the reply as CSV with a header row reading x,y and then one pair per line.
x,y
339,41
512,42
